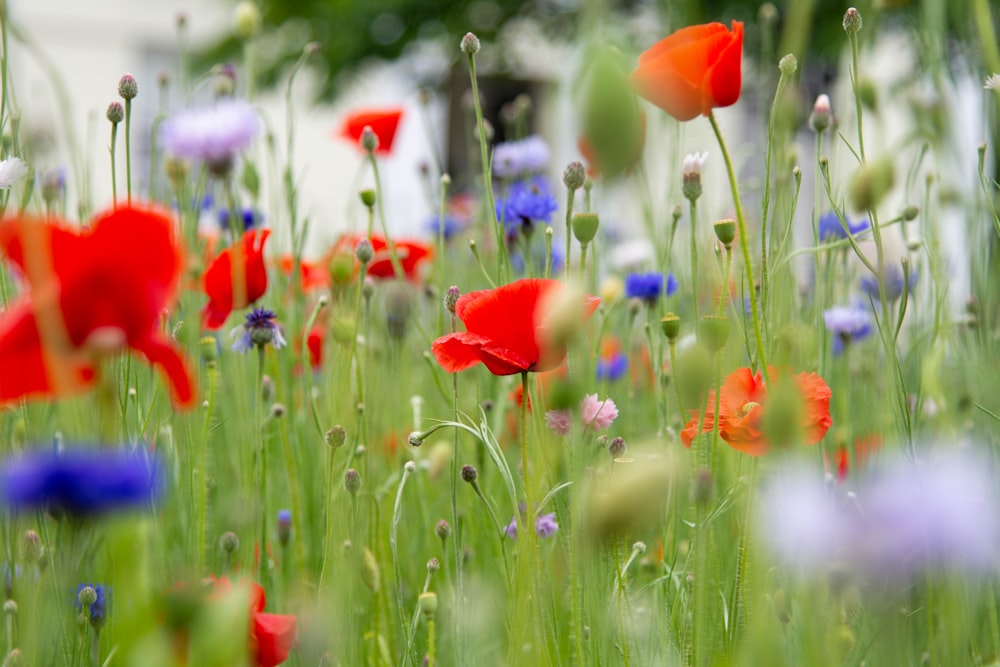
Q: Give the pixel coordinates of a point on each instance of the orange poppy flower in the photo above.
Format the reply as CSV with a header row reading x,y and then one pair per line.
x,y
503,330
384,122
92,292
412,255
742,402
693,71
235,278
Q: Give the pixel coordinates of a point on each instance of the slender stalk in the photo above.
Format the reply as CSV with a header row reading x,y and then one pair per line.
x,y
114,175
744,247
128,149
570,196
766,203
397,266
206,430
620,599
259,424
694,257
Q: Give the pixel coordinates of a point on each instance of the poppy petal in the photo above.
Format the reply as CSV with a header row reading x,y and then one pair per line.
x,y
275,635
161,353
458,351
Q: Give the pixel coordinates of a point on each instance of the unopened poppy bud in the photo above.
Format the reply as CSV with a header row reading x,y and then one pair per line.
x,y
713,332
363,251
821,116
451,299
617,448
433,565
910,213
670,324
352,481
335,436
367,197
725,231
574,175
428,603
284,527
87,596
585,226
788,64
370,571
470,44
442,530
870,183
229,542
209,348
266,388
369,140
31,547
116,113
469,473
246,20
852,21
127,87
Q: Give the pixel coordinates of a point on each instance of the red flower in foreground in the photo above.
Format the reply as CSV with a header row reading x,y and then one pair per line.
x,y
271,635
503,329
383,122
412,255
742,403
693,70
92,292
236,278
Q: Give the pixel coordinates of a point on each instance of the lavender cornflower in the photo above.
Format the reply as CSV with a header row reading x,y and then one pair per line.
x,y
213,135
527,202
516,158
893,276
830,228
848,323
612,366
79,482
259,329
11,171
649,286
545,525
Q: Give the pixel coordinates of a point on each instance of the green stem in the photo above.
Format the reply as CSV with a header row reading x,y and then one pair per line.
x,y
620,600
128,149
430,643
114,177
206,430
766,203
455,542
570,196
259,424
744,247
694,256
397,266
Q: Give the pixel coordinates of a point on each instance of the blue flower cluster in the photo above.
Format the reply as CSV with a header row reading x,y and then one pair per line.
x,y
848,324
527,201
893,276
649,286
830,228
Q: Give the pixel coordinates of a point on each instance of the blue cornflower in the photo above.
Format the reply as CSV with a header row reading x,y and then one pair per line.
x,y
612,367
516,158
284,526
830,228
538,259
893,276
848,323
259,329
450,226
251,219
98,609
649,286
214,135
79,482
527,201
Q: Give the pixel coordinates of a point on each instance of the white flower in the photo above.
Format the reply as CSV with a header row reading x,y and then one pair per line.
x,y
693,162
993,82
11,171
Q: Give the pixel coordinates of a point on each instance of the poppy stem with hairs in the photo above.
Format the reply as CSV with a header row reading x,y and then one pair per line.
x,y
744,247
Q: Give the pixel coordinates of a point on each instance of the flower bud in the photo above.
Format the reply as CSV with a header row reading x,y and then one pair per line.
x,y
442,530
369,140
410,467
670,324
617,448
209,348
14,659
433,565
31,547
469,473
278,410
821,116
335,436
870,183
246,20
574,175
713,332
910,213
87,596
367,197
470,44
585,227
229,542
451,299
116,113
428,603
725,231
284,527
852,21
788,64
352,481
363,251
266,386
10,608
127,87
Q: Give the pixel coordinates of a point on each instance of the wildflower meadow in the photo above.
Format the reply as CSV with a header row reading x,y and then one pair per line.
x,y
688,357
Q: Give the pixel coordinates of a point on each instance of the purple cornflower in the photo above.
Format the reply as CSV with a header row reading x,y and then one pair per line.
x,y
545,525
848,324
893,276
901,518
79,482
528,201
830,228
612,367
259,329
516,158
649,286
213,135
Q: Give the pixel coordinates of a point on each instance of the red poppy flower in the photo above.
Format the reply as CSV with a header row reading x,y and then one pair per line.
x,y
383,122
272,636
742,403
314,275
412,255
235,278
315,342
693,70
91,293
503,328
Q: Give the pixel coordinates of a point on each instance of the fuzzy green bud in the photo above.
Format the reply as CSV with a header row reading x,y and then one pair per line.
x,y
127,87
229,542
585,226
87,596
788,64
574,176
870,183
335,436
363,251
115,113
852,21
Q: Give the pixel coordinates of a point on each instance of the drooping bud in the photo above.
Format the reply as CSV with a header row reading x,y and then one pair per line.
x,y
470,44
127,87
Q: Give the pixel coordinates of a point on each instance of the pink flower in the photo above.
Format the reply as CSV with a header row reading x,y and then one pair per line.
x,y
597,415
560,421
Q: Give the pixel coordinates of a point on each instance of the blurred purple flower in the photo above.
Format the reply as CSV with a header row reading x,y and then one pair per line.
x,y
649,286
612,367
213,135
892,274
848,323
902,518
830,228
545,525
516,158
79,482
